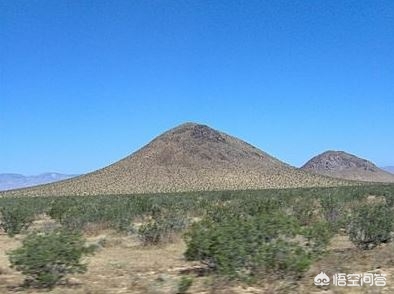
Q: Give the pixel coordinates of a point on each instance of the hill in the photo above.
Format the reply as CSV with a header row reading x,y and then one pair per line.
x,y
390,169
339,164
190,157
14,181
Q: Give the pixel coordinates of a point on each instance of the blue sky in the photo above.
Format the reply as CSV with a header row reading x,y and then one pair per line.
x,y
85,83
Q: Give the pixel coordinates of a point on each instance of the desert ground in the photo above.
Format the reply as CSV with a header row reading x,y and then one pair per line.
x,y
123,265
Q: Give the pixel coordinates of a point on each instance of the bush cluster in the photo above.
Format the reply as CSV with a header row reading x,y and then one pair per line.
x,y
184,285
246,246
46,258
161,227
370,225
15,218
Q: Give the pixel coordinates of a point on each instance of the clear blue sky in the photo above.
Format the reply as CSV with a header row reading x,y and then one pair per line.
x,y
85,83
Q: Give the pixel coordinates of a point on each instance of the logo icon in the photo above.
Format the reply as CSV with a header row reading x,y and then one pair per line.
x,y
322,280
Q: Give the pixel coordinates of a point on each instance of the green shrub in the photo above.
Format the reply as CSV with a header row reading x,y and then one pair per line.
x,y
318,236
122,224
15,218
151,233
161,227
370,225
389,199
303,210
283,258
68,213
333,211
184,285
46,258
241,247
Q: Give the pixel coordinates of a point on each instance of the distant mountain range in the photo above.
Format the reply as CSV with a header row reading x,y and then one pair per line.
x,y
15,181
390,169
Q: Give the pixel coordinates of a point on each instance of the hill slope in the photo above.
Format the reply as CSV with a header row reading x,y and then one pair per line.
x,y
389,169
14,181
343,165
190,157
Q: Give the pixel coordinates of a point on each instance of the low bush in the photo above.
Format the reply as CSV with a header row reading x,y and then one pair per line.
x,y
303,210
46,258
283,258
319,235
370,225
333,211
184,285
243,247
15,218
161,227
69,214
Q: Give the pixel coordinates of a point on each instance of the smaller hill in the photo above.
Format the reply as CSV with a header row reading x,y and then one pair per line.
x,y
390,169
339,164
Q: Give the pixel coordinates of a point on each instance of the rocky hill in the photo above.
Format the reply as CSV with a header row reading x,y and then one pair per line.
x,y
190,157
389,169
340,164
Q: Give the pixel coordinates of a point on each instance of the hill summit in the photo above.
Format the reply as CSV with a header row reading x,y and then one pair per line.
x,y
190,157
340,164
